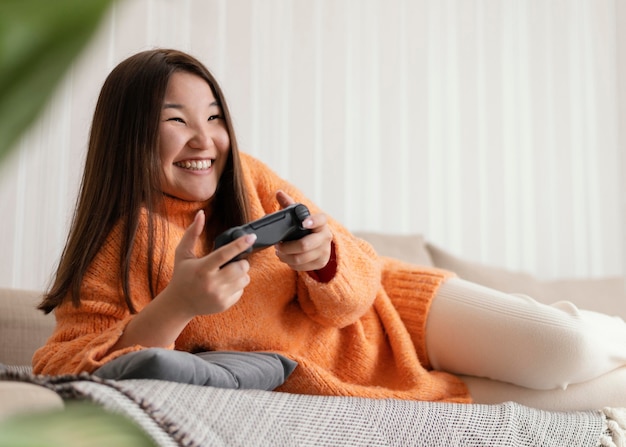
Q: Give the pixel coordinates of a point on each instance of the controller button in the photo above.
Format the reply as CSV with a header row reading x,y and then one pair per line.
x,y
302,212
237,233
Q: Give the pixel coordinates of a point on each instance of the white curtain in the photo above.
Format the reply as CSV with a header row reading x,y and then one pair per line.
x,y
491,127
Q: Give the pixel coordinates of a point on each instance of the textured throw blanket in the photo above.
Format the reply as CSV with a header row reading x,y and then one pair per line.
x,y
189,415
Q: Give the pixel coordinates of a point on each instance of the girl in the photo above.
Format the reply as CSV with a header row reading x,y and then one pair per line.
x,y
164,176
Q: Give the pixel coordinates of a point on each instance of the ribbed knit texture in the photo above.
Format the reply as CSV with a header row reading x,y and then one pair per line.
x,y
359,334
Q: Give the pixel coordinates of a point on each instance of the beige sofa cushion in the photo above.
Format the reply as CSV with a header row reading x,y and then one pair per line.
x,y
606,295
21,397
23,328
409,248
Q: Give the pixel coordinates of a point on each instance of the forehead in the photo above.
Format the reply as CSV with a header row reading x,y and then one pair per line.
x,y
187,86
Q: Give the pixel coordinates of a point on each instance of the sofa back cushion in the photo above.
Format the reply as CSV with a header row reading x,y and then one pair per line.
x,y
408,248
23,328
606,294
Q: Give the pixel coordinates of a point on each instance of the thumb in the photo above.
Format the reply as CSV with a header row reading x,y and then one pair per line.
x,y
185,248
284,199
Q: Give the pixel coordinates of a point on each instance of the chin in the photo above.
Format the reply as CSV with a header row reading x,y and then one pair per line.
x,y
200,197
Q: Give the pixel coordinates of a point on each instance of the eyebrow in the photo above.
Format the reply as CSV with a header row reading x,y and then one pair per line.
x,y
169,105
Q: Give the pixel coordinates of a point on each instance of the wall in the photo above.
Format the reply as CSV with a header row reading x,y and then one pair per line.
x,y
491,127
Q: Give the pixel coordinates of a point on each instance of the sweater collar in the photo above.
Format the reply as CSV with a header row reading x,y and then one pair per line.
x,y
182,212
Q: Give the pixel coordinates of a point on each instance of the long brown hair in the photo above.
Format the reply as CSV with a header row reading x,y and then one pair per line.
x,y
122,171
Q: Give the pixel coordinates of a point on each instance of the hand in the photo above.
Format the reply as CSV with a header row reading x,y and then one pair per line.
x,y
200,284
312,252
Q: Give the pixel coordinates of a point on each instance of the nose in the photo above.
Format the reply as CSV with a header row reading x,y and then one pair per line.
x,y
201,139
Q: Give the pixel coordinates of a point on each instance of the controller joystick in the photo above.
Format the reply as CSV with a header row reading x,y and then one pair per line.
x,y
301,212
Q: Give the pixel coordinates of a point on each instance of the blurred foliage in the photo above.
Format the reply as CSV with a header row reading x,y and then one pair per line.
x,y
78,425
39,39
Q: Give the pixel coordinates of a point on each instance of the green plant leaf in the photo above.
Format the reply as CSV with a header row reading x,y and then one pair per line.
x,y
39,39
80,424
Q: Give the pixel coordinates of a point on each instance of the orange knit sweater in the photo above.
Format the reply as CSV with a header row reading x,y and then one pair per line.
x,y
359,334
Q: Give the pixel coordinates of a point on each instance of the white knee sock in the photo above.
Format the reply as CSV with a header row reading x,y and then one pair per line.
x,y
474,330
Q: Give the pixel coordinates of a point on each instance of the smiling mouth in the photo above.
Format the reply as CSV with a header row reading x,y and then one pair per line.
x,y
194,165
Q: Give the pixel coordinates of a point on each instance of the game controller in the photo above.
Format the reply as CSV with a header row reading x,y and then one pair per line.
x,y
281,226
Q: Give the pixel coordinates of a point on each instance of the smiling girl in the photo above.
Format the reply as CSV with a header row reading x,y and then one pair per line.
x,y
164,176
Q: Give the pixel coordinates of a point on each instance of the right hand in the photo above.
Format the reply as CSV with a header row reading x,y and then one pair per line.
x,y
200,284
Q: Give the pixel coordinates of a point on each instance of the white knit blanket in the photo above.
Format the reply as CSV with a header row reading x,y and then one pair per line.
x,y
188,415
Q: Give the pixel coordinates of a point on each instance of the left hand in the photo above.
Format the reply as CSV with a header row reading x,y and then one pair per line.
x,y
312,252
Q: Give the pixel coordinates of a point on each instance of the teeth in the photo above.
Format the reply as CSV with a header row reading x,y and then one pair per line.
x,y
194,165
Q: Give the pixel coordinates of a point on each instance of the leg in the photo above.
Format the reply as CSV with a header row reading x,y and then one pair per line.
x,y
608,390
476,331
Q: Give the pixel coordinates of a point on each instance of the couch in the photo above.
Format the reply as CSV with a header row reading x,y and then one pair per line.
x,y
180,414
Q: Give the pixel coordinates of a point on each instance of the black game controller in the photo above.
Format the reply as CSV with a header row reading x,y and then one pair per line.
x,y
283,225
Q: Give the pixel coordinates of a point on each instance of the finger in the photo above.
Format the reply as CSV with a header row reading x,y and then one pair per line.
x,y
305,261
236,275
310,242
227,252
312,247
185,248
284,199
315,222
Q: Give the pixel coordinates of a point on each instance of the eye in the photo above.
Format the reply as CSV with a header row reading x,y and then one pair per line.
x,y
176,119
214,117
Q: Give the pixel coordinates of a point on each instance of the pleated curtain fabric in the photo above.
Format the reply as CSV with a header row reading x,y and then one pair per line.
x,y
491,127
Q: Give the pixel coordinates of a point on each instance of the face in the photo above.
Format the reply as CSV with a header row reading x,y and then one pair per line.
x,y
193,140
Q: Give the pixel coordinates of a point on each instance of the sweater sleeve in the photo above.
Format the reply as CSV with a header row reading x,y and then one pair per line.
x,y
346,297
343,298
82,339
85,334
